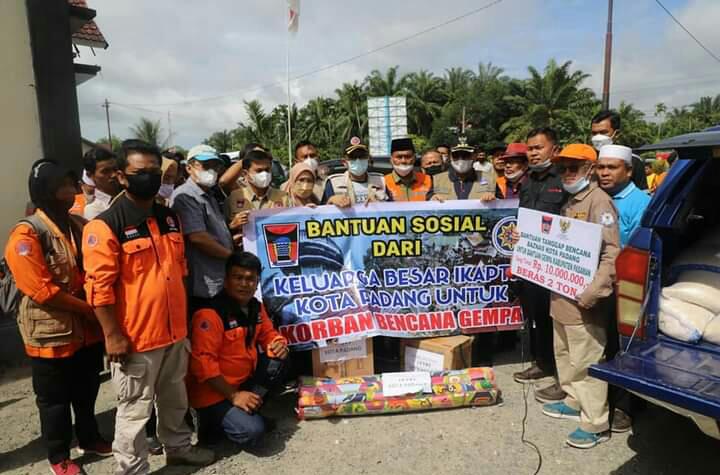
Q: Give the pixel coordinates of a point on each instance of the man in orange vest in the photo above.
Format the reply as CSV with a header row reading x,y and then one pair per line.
x,y
404,183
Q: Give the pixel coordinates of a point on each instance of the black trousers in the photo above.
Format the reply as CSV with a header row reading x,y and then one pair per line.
x,y
61,384
535,302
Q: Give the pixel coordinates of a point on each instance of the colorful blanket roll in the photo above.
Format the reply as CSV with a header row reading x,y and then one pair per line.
x,y
362,395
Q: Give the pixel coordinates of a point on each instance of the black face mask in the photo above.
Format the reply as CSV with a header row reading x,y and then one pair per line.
x,y
144,185
434,170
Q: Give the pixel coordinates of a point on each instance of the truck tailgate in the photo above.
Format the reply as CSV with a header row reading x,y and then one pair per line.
x,y
667,371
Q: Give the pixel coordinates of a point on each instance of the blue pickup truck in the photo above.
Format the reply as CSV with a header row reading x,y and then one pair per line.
x,y
679,376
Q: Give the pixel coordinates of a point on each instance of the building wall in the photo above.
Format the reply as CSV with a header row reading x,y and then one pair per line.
x,y
20,133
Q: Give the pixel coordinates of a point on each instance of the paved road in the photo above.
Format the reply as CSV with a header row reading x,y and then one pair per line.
x,y
473,441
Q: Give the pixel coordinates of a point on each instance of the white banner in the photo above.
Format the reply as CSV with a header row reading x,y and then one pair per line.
x,y
555,252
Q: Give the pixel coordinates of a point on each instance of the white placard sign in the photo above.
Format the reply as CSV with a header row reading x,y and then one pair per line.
x,y
423,360
555,252
343,351
400,384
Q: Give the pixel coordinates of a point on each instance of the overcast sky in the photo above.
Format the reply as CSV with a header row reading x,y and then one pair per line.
x,y
172,55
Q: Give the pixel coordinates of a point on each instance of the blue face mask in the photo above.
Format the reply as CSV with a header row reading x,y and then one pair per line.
x,y
578,186
358,167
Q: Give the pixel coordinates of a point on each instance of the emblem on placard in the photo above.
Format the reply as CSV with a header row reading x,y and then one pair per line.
x,y
281,244
546,224
502,235
565,225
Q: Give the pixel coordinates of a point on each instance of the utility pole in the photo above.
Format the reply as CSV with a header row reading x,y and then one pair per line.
x,y
106,106
170,130
608,58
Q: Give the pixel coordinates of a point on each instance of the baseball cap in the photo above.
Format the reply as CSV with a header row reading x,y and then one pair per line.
x,y
203,153
619,152
356,148
577,151
516,149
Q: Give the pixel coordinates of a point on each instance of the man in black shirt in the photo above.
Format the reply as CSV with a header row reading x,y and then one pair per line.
x,y
542,192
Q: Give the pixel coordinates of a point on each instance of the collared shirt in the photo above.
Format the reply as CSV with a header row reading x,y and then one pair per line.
x,y
463,186
199,211
631,203
513,189
245,199
544,192
135,260
594,206
100,203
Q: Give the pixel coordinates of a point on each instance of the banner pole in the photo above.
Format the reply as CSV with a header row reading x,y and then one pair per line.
x,y
289,120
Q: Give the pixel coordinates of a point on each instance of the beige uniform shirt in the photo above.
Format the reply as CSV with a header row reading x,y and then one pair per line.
x,y
245,199
595,206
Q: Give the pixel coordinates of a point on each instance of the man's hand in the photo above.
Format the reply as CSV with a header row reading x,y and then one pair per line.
x,y
239,220
117,347
584,301
515,236
279,349
238,239
247,401
437,198
341,201
487,196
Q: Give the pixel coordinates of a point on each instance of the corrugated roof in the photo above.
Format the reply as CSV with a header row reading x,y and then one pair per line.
x,y
89,34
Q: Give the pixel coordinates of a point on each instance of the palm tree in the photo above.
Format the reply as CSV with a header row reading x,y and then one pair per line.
x,y
221,141
148,131
552,98
258,125
352,102
457,83
488,72
390,84
425,96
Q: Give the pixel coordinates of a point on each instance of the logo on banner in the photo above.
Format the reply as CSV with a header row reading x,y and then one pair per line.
x,y
546,224
564,225
281,243
502,235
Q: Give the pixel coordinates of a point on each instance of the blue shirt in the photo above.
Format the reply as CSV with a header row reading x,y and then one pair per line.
x,y
630,203
199,211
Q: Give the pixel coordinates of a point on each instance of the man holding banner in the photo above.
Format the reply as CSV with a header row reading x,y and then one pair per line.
x,y
579,328
404,183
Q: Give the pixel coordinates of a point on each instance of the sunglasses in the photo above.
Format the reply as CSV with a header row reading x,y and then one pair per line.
x,y
574,168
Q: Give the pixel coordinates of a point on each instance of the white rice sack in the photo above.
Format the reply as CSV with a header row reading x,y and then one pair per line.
x,y
697,287
683,321
712,331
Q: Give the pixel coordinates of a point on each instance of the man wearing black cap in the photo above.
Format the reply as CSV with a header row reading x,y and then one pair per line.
x,y
404,183
356,185
59,329
462,181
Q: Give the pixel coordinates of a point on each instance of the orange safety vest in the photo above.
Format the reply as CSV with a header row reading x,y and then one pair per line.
x,y
501,182
417,191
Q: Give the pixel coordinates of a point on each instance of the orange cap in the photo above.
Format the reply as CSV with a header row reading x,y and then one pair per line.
x,y
577,151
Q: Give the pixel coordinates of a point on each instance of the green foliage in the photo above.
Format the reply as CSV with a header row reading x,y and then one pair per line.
x,y
150,131
496,108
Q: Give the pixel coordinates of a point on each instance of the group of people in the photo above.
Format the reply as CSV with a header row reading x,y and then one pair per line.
x,y
141,259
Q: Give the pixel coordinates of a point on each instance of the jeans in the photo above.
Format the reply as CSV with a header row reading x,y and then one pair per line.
x,y
237,425
61,384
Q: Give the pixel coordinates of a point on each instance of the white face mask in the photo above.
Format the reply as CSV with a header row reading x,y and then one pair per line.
x,y
165,191
462,166
403,170
358,167
261,180
206,178
600,140
514,176
578,186
312,163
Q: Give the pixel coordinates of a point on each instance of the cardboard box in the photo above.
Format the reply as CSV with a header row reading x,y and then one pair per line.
x,y
343,360
436,354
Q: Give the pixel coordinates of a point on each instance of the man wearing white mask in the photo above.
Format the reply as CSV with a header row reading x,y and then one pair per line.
x,y
404,183
208,240
357,184
462,181
580,324
605,130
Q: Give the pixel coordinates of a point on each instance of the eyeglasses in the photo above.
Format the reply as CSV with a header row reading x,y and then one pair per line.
x,y
574,168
